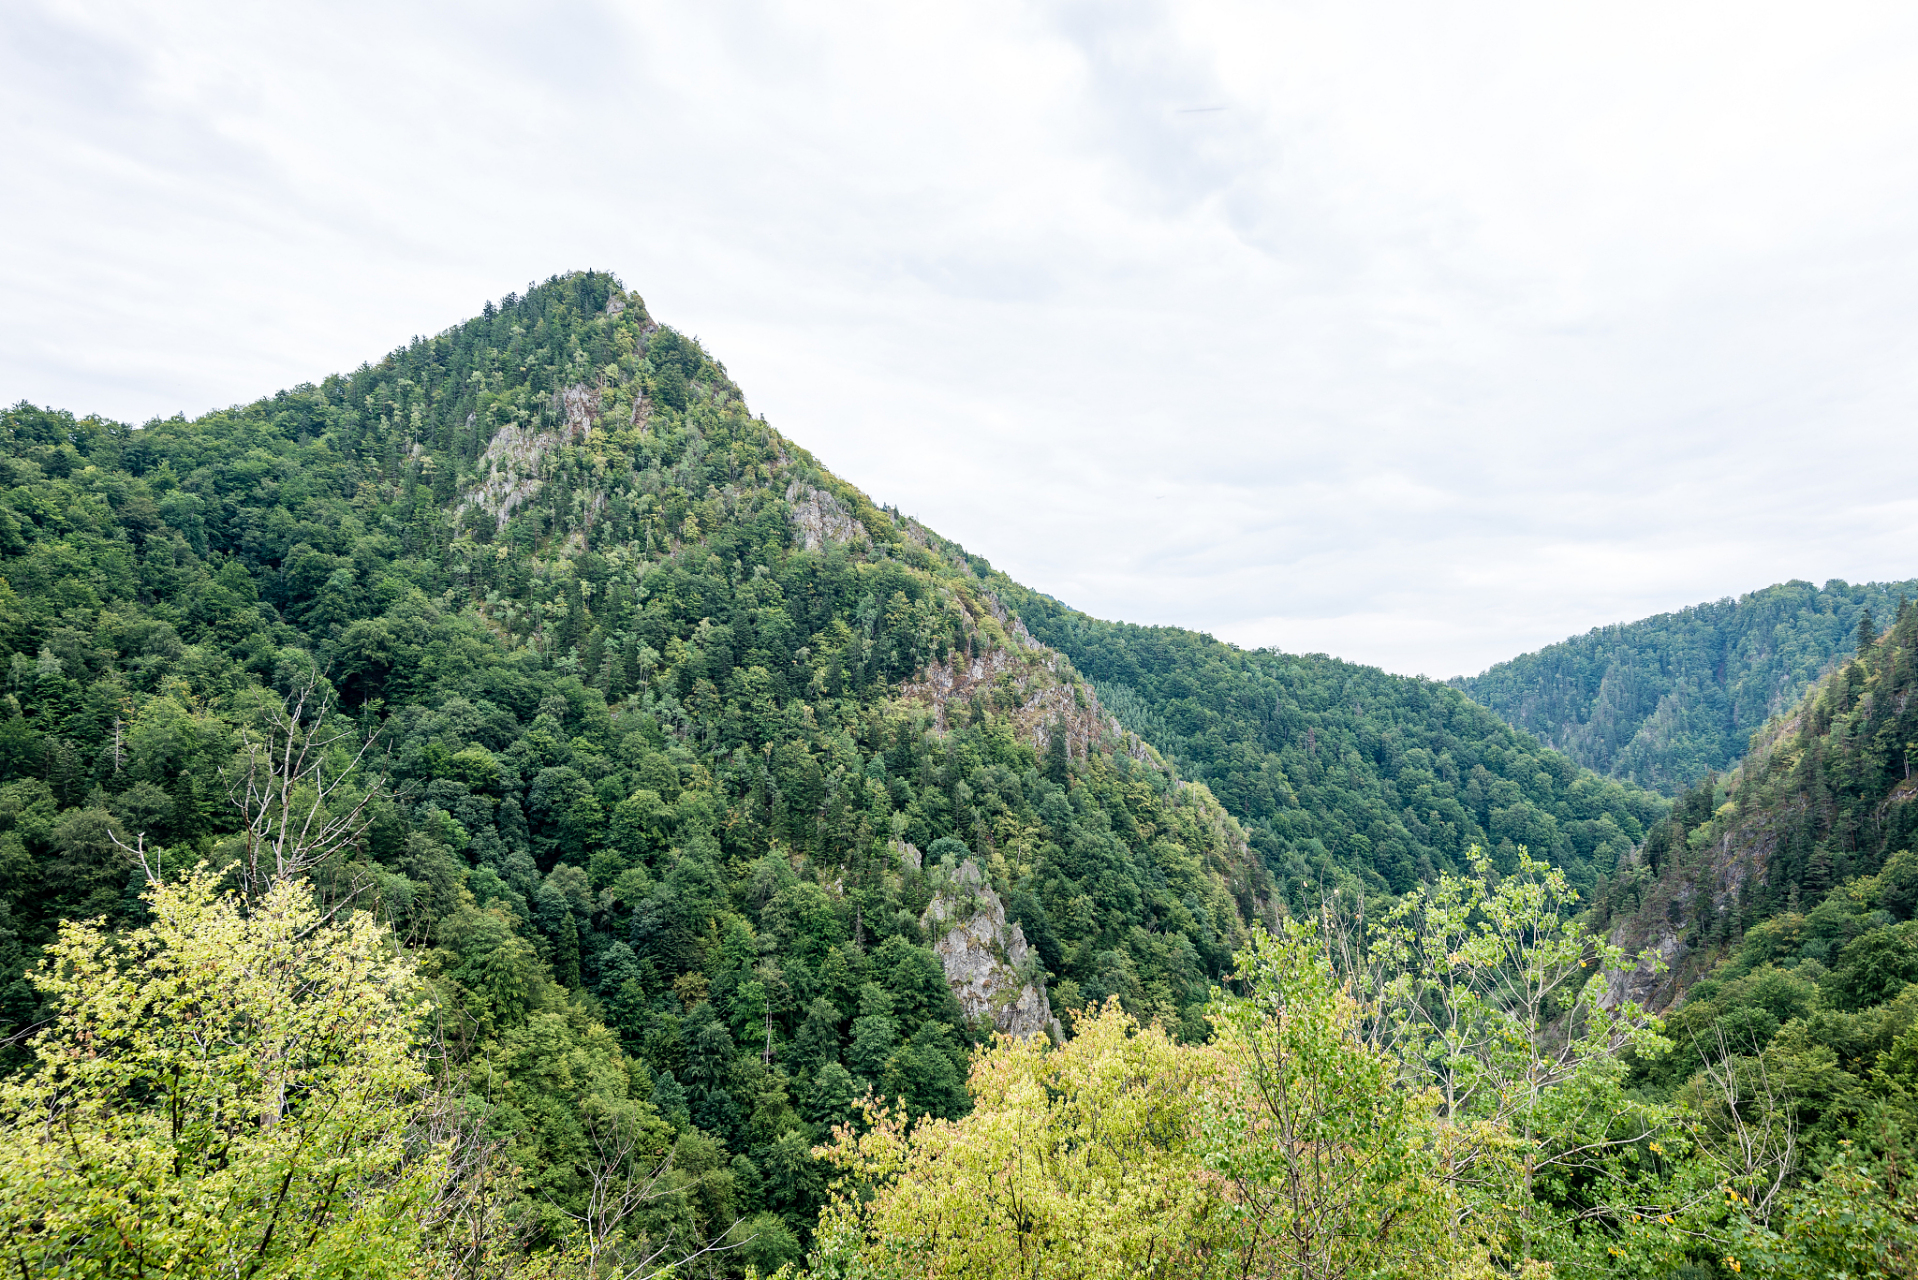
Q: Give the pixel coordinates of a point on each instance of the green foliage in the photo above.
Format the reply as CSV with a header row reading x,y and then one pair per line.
x,y
1345,775
1080,1161
1854,1221
679,734
1662,701
651,796
1335,1168
1313,1135
1805,847
222,1092
1493,995
1784,894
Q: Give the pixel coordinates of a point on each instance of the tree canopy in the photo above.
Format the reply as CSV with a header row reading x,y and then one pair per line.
x,y
1667,699
510,803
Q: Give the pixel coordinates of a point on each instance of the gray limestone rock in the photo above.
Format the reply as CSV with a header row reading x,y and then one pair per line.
x,y
819,518
989,967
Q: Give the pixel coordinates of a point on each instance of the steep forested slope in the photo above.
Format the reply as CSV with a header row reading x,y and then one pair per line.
x,y
1822,800
1782,899
683,741
706,796
1661,701
682,737
1343,772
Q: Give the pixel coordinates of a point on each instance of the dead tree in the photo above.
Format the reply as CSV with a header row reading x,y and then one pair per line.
x,y
629,1169
290,797
1749,1129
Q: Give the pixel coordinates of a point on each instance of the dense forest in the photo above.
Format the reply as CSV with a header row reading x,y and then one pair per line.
x,y
1781,900
645,800
1344,774
1798,863
1662,701
507,811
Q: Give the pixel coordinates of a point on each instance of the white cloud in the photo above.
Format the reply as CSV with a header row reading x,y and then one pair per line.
x,y
1419,335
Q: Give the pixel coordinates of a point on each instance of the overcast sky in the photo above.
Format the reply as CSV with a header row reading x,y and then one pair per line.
x,y
1419,334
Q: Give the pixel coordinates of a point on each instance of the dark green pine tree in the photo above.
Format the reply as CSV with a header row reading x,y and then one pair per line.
x,y
566,952
189,819
1056,759
818,1040
445,480
573,624
1867,633
670,388
64,774
670,1100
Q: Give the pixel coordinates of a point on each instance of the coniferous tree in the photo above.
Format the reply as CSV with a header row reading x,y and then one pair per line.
x,y
652,843
1056,760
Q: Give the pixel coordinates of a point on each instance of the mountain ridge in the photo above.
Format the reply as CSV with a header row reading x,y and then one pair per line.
x,y
684,735
1665,699
715,797
661,833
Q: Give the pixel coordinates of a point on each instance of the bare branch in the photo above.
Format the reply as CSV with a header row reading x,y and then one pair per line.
x,y
287,797
147,858
625,1173
1750,1133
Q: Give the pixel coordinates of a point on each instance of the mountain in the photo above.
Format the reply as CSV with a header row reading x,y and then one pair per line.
x,y
1781,899
707,783
706,789
1822,800
1662,701
1344,775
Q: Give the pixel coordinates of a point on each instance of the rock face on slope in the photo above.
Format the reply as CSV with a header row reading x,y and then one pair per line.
x,y
819,518
513,468
1009,672
988,966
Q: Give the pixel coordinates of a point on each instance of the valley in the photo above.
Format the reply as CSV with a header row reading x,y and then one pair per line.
x,y
736,832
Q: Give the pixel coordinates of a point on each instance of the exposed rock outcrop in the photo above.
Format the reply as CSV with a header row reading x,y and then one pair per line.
x,y
1021,684
510,469
819,518
989,967
1651,981
1724,861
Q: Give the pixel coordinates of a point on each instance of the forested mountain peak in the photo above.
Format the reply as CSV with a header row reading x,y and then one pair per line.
x,y
681,738
1661,701
689,823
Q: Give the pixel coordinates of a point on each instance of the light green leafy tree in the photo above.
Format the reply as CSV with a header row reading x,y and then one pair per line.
x,y
1075,1162
223,1092
1331,1166
1855,1221
1491,992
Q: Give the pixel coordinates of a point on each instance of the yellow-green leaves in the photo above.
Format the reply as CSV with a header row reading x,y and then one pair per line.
x,y
1076,1161
224,1092
1332,1166
1284,1147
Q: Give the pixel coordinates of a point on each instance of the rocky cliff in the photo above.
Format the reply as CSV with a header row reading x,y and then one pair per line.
x,y
988,965
819,518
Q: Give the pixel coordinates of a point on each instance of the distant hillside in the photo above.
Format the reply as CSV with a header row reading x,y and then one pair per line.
x,y
1344,773
1781,899
1662,701
1822,804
